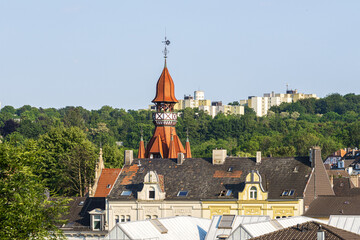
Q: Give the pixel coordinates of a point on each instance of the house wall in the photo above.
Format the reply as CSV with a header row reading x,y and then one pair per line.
x,y
138,210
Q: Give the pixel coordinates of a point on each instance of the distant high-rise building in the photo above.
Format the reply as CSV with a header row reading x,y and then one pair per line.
x,y
261,105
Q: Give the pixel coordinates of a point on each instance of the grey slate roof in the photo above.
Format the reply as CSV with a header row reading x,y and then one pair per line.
x,y
324,206
204,180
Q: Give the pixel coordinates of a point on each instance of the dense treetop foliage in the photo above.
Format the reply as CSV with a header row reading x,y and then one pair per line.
x,y
73,134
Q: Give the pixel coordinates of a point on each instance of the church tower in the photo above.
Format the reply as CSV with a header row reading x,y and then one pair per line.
x,y
164,143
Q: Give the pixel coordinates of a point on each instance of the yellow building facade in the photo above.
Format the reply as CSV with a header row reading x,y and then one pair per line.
x,y
253,200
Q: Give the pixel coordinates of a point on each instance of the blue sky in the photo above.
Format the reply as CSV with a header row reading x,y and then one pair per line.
x,y
94,53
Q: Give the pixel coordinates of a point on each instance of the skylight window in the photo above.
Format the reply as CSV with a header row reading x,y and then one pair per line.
x,y
126,193
108,186
81,203
182,193
291,192
285,193
230,169
228,193
226,221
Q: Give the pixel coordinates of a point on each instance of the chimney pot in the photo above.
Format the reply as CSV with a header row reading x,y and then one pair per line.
x,y
258,157
180,158
129,157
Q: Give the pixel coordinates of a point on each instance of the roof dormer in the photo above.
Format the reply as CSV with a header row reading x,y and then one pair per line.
x,y
253,189
153,187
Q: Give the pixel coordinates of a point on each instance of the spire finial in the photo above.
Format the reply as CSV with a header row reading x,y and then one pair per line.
x,y
166,43
141,133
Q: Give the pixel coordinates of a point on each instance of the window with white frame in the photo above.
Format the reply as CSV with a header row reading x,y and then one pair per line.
x,y
96,222
253,192
122,218
128,218
148,217
117,219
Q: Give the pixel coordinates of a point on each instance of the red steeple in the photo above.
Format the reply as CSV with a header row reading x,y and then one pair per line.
x,y
164,143
165,88
187,147
141,152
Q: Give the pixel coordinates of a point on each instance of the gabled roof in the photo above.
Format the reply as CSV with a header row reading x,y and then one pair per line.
x,y
106,181
309,230
180,227
203,180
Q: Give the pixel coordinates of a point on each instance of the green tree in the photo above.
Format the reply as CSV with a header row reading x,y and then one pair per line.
x,y
25,211
65,152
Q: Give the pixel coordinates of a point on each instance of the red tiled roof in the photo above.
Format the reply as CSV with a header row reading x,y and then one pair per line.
x,y
106,182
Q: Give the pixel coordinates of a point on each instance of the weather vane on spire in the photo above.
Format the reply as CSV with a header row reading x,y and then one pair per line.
x,y
166,43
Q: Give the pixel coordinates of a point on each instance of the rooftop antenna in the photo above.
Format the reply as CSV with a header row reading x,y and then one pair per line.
x,y
287,87
166,43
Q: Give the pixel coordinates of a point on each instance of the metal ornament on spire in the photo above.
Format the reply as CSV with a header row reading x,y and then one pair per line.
x,y
166,43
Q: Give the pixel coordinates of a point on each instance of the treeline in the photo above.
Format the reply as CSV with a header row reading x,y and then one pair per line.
x,y
67,141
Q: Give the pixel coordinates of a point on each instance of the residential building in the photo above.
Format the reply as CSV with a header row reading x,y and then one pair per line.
x,y
261,105
158,188
86,219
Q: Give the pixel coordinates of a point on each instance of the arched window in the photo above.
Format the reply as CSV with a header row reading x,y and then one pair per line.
x,y
154,217
151,193
253,192
147,217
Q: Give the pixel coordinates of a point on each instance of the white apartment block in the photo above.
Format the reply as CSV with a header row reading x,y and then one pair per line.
x,y
261,105
212,108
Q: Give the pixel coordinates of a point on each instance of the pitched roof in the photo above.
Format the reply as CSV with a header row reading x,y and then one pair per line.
x,y
78,218
349,223
106,181
180,227
256,229
309,230
324,206
203,180
343,187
